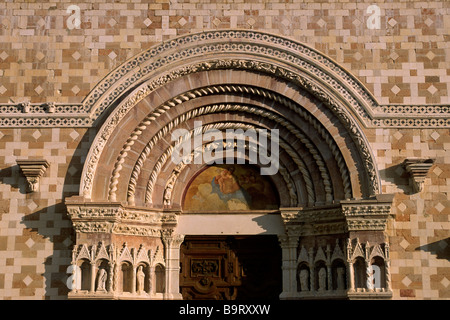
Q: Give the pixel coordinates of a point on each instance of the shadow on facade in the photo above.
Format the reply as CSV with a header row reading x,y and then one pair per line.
x,y
52,223
45,223
13,177
398,176
439,248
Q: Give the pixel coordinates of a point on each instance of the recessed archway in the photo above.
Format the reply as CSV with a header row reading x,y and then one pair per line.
x,y
241,80
182,79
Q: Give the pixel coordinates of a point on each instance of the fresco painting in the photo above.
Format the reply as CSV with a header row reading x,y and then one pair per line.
x,y
230,188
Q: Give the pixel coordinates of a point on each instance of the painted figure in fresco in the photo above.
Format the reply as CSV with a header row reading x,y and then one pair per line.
x,y
227,181
230,187
225,184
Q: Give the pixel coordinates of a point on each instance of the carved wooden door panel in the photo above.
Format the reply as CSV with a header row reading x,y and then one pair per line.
x,y
230,268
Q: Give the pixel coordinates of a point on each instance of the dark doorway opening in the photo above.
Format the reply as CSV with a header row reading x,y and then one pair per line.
x,y
230,267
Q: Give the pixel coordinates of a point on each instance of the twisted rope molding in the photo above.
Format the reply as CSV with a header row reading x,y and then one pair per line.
x,y
219,89
266,114
182,118
252,65
223,126
140,67
221,41
170,184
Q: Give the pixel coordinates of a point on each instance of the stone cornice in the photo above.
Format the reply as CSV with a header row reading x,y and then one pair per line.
x,y
348,215
116,218
242,42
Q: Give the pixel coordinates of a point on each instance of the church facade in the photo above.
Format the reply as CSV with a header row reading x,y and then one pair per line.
x,y
334,183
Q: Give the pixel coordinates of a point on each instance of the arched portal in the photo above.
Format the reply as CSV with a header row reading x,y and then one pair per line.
x,y
311,111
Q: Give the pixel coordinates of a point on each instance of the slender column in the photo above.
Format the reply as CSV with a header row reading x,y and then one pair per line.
x,y
116,277
151,272
289,245
93,271
351,276
350,269
133,281
387,270
111,277
387,267
369,270
329,274
369,276
172,244
312,274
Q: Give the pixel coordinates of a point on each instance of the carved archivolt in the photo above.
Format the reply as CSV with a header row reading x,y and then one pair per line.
x,y
223,126
315,89
238,89
221,108
243,42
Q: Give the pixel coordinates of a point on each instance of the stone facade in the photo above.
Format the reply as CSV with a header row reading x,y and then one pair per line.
x,y
89,100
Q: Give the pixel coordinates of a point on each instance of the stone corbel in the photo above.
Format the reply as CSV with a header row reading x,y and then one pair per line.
x,y
417,170
33,170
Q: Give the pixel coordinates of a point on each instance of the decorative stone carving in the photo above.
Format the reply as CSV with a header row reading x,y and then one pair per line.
x,y
26,106
322,279
113,257
250,42
332,274
320,266
367,214
349,215
340,278
232,89
315,89
304,280
118,219
102,277
33,169
417,170
367,252
140,278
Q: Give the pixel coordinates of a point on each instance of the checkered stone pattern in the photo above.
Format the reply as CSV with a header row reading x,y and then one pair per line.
x,y
36,236
405,61
419,233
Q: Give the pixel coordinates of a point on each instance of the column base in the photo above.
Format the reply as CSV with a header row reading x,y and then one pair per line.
x,y
288,296
173,296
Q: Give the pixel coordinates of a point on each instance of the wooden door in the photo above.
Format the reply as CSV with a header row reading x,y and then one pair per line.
x,y
230,267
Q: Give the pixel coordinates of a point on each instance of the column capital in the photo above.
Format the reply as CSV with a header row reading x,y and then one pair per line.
x,y
170,239
288,240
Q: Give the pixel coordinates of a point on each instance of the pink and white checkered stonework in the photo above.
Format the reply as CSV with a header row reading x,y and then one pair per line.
x,y
92,207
